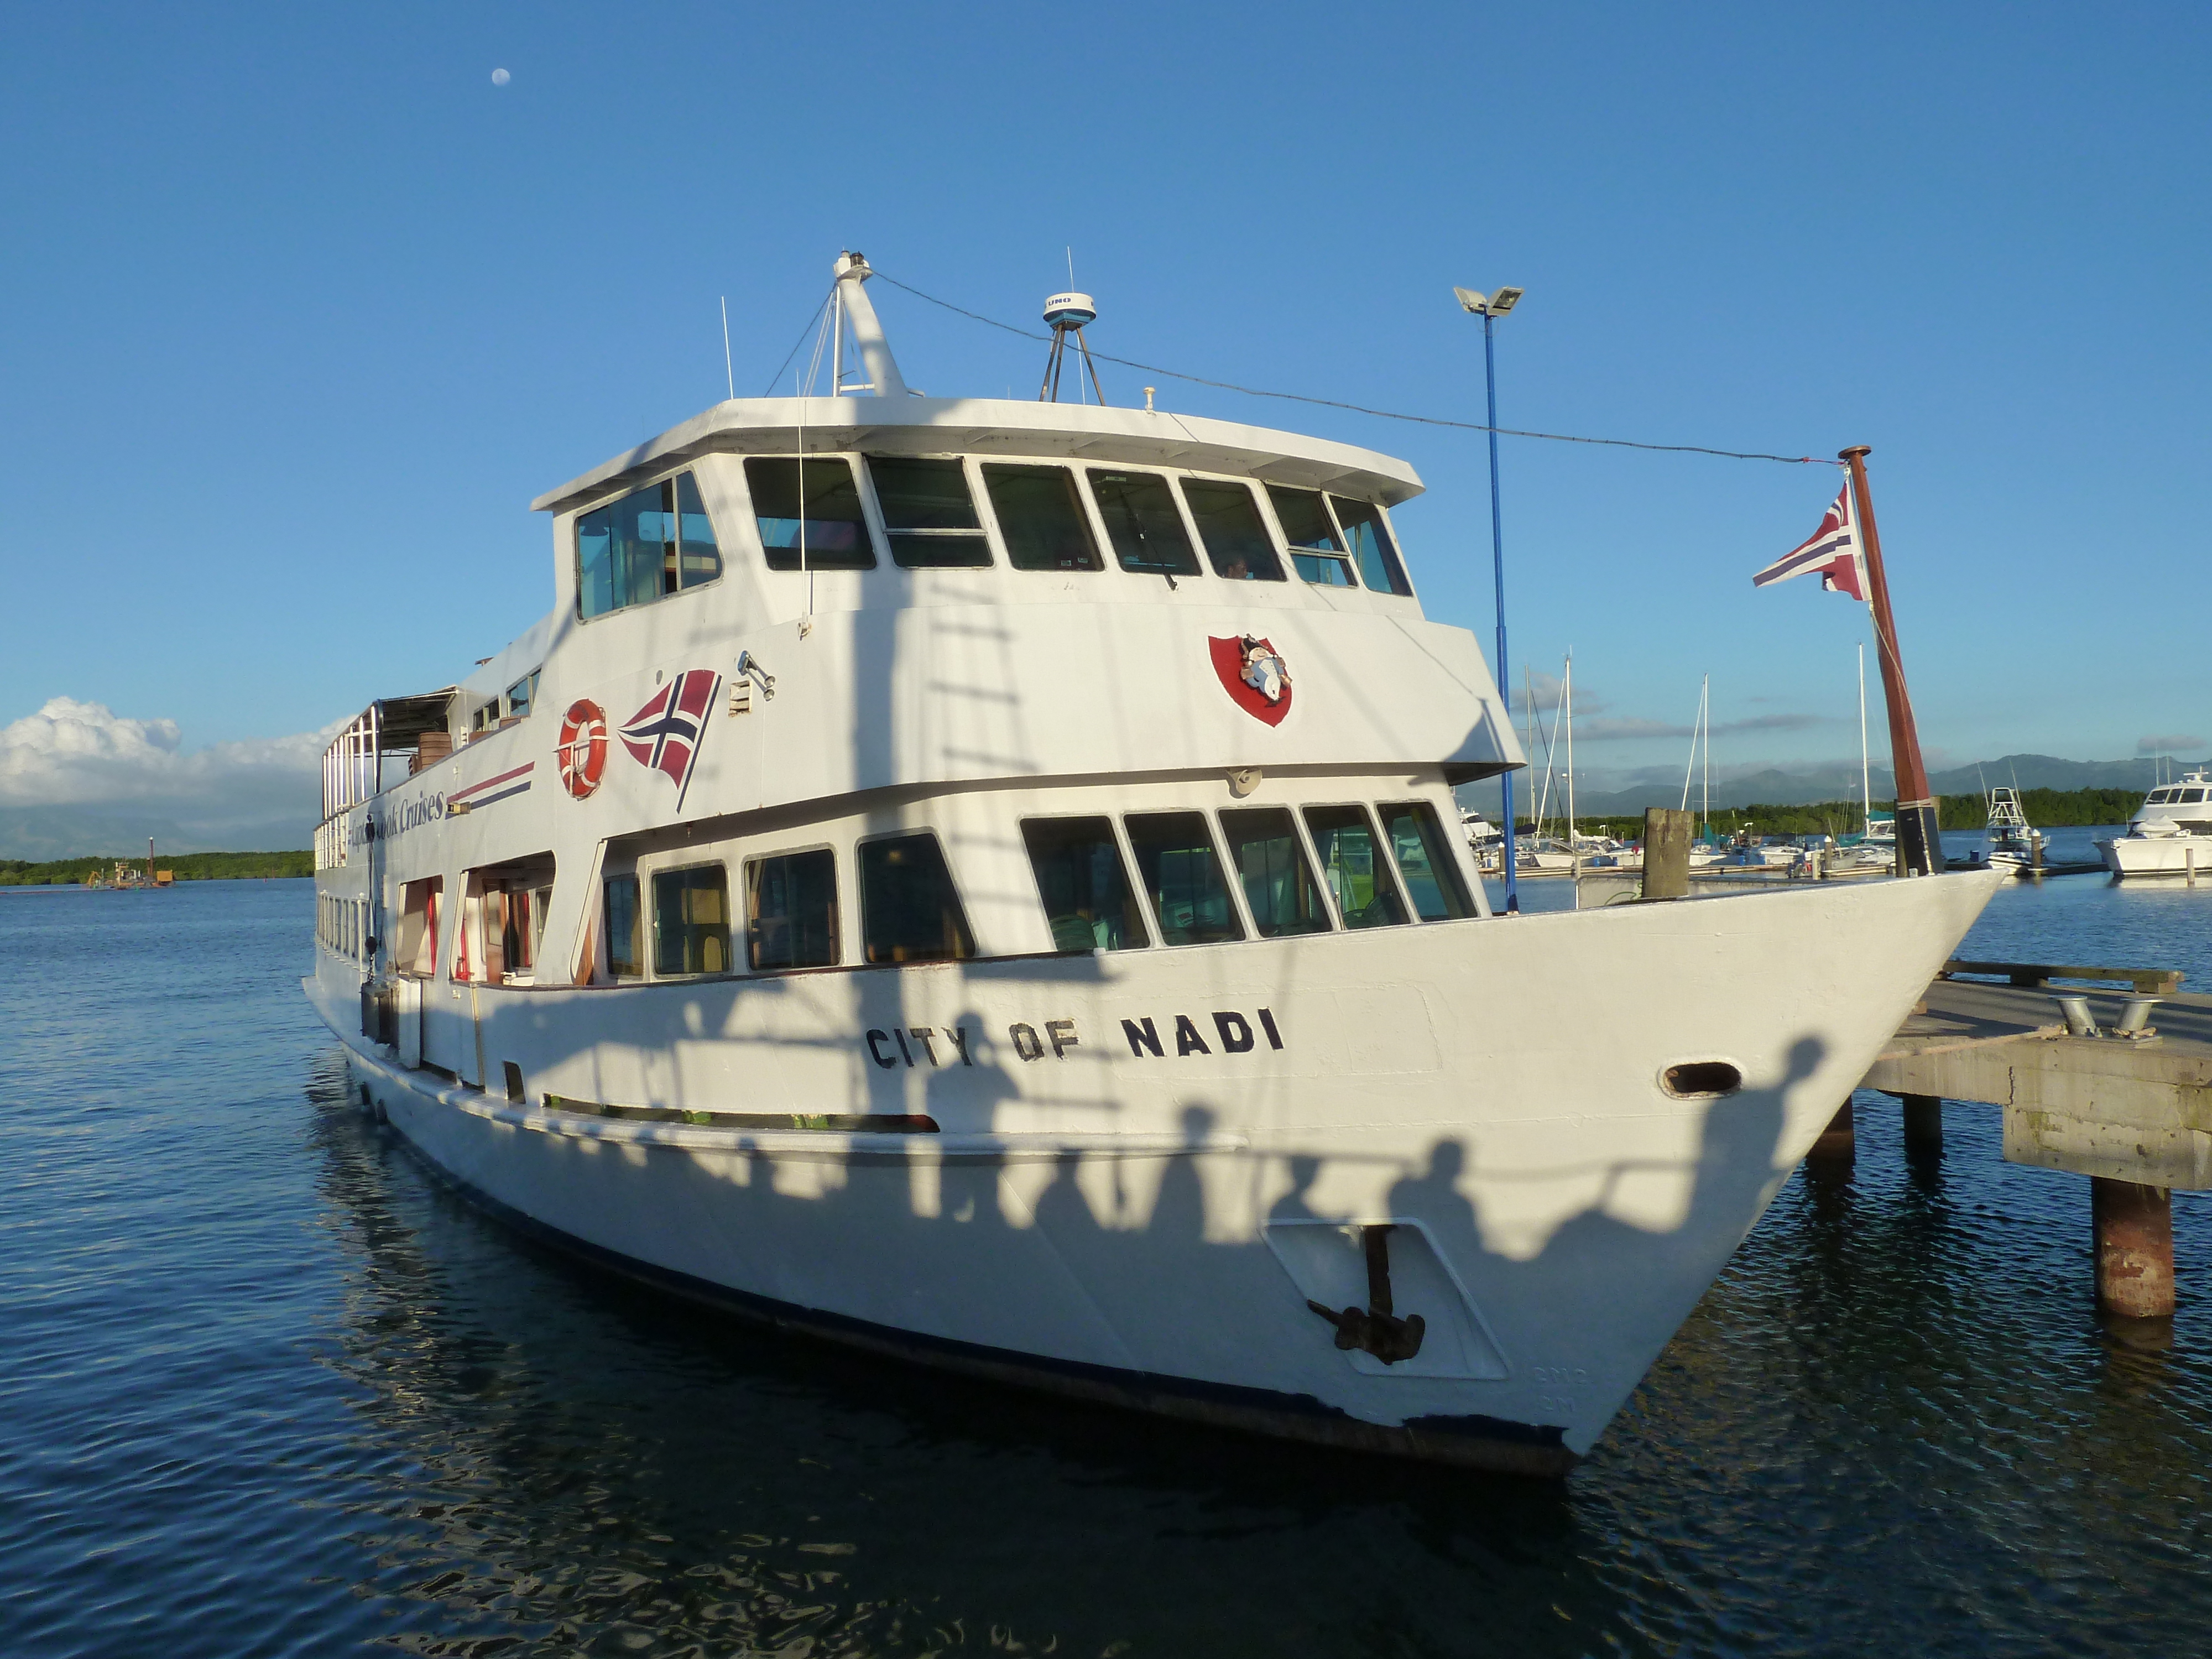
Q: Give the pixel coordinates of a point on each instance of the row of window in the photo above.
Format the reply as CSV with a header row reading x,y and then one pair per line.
x,y
1296,872
340,924
2176,796
659,540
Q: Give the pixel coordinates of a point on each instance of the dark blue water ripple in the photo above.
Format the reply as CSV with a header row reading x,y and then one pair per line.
x,y
268,1388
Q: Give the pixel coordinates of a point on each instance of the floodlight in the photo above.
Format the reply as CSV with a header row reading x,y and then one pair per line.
x,y
1504,299
1470,300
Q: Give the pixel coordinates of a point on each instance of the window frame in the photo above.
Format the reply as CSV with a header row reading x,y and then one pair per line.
x,y
1307,850
635,877
1386,862
1146,921
1108,547
1247,933
1086,509
861,896
649,875
576,553
1453,847
872,503
839,873
1254,490
1393,557
871,518
1292,552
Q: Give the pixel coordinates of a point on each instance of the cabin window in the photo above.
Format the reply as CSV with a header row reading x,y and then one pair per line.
x,y
1316,548
811,514
625,921
1357,875
791,910
522,693
1041,517
653,542
1229,524
909,911
1182,875
1425,862
418,954
929,513
1087,897
691,921
1143,523
1371,546
2187,797
1280,890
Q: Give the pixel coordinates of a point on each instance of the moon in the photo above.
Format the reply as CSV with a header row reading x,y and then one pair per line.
x,y
499,77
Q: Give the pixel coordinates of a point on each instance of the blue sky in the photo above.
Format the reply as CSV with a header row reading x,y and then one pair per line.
x,y
300,310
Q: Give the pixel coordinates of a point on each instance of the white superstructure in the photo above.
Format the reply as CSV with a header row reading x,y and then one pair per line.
x,y
974,879
2170,835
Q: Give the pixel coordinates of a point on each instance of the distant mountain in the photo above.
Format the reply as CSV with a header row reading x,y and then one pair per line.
x,y
1605,795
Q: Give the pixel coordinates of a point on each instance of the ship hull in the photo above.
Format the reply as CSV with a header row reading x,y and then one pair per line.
x,y
1141,1171
2158,855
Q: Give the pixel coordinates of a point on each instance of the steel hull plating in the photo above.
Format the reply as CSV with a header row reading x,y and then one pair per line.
x,y
1148,1229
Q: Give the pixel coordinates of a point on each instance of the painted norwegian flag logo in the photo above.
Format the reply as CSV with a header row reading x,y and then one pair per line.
x,y
664,733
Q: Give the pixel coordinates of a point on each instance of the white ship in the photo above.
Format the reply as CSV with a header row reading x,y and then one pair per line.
x,y
973,879
2170,835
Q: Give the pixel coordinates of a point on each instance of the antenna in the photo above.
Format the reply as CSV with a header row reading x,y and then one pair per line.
x,y
726,369
1069,313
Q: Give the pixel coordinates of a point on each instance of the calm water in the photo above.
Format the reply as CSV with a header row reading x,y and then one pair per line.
x,y
267,1388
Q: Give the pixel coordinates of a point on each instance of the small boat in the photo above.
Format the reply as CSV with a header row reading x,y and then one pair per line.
x,y
2010,843
2170,835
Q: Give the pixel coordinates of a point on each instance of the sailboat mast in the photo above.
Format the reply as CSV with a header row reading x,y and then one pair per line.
x,y
1690,771
1705,720
1567,690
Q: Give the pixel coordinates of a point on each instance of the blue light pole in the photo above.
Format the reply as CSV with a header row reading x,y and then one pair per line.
x,y
1489,310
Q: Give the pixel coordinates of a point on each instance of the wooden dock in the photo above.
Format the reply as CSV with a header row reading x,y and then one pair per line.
x,y
2081,1092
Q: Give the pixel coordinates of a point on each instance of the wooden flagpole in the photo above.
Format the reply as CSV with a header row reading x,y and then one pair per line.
x,y
1918,837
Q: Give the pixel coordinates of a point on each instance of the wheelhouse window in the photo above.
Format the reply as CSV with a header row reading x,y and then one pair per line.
x,y
1180,874
1316,550
1356,873
1229,524
625,924
1143,524
691,921
1280,890
791,910
652,543
1425,862
909,909
1371,546
416,956
929,514
1086,892
813,514
522,693
1041,517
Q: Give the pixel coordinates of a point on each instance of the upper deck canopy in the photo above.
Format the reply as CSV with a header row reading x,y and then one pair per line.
x,y
992,426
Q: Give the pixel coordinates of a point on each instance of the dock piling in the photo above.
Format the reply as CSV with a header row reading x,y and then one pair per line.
x,y
1838,1142
1923,1123
1667,834
2133,1227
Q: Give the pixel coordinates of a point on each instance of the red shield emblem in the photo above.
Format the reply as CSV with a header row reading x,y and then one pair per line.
x,y
581,754
1252,672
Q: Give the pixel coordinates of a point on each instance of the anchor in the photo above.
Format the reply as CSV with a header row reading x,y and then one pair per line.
x,y
1374,1329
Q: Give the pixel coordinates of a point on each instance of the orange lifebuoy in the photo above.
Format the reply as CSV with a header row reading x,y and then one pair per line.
x,y
581,753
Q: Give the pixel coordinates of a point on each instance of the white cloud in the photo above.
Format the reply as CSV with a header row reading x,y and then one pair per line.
x,y
2169,742
73,754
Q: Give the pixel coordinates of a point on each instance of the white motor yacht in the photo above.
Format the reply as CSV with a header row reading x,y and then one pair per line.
x,y
2170,835
970,879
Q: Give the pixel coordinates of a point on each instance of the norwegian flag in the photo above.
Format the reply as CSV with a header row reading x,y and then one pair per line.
x,y
1833,551
664,733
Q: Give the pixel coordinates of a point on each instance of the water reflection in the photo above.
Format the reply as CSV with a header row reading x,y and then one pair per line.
x,y
560,1457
